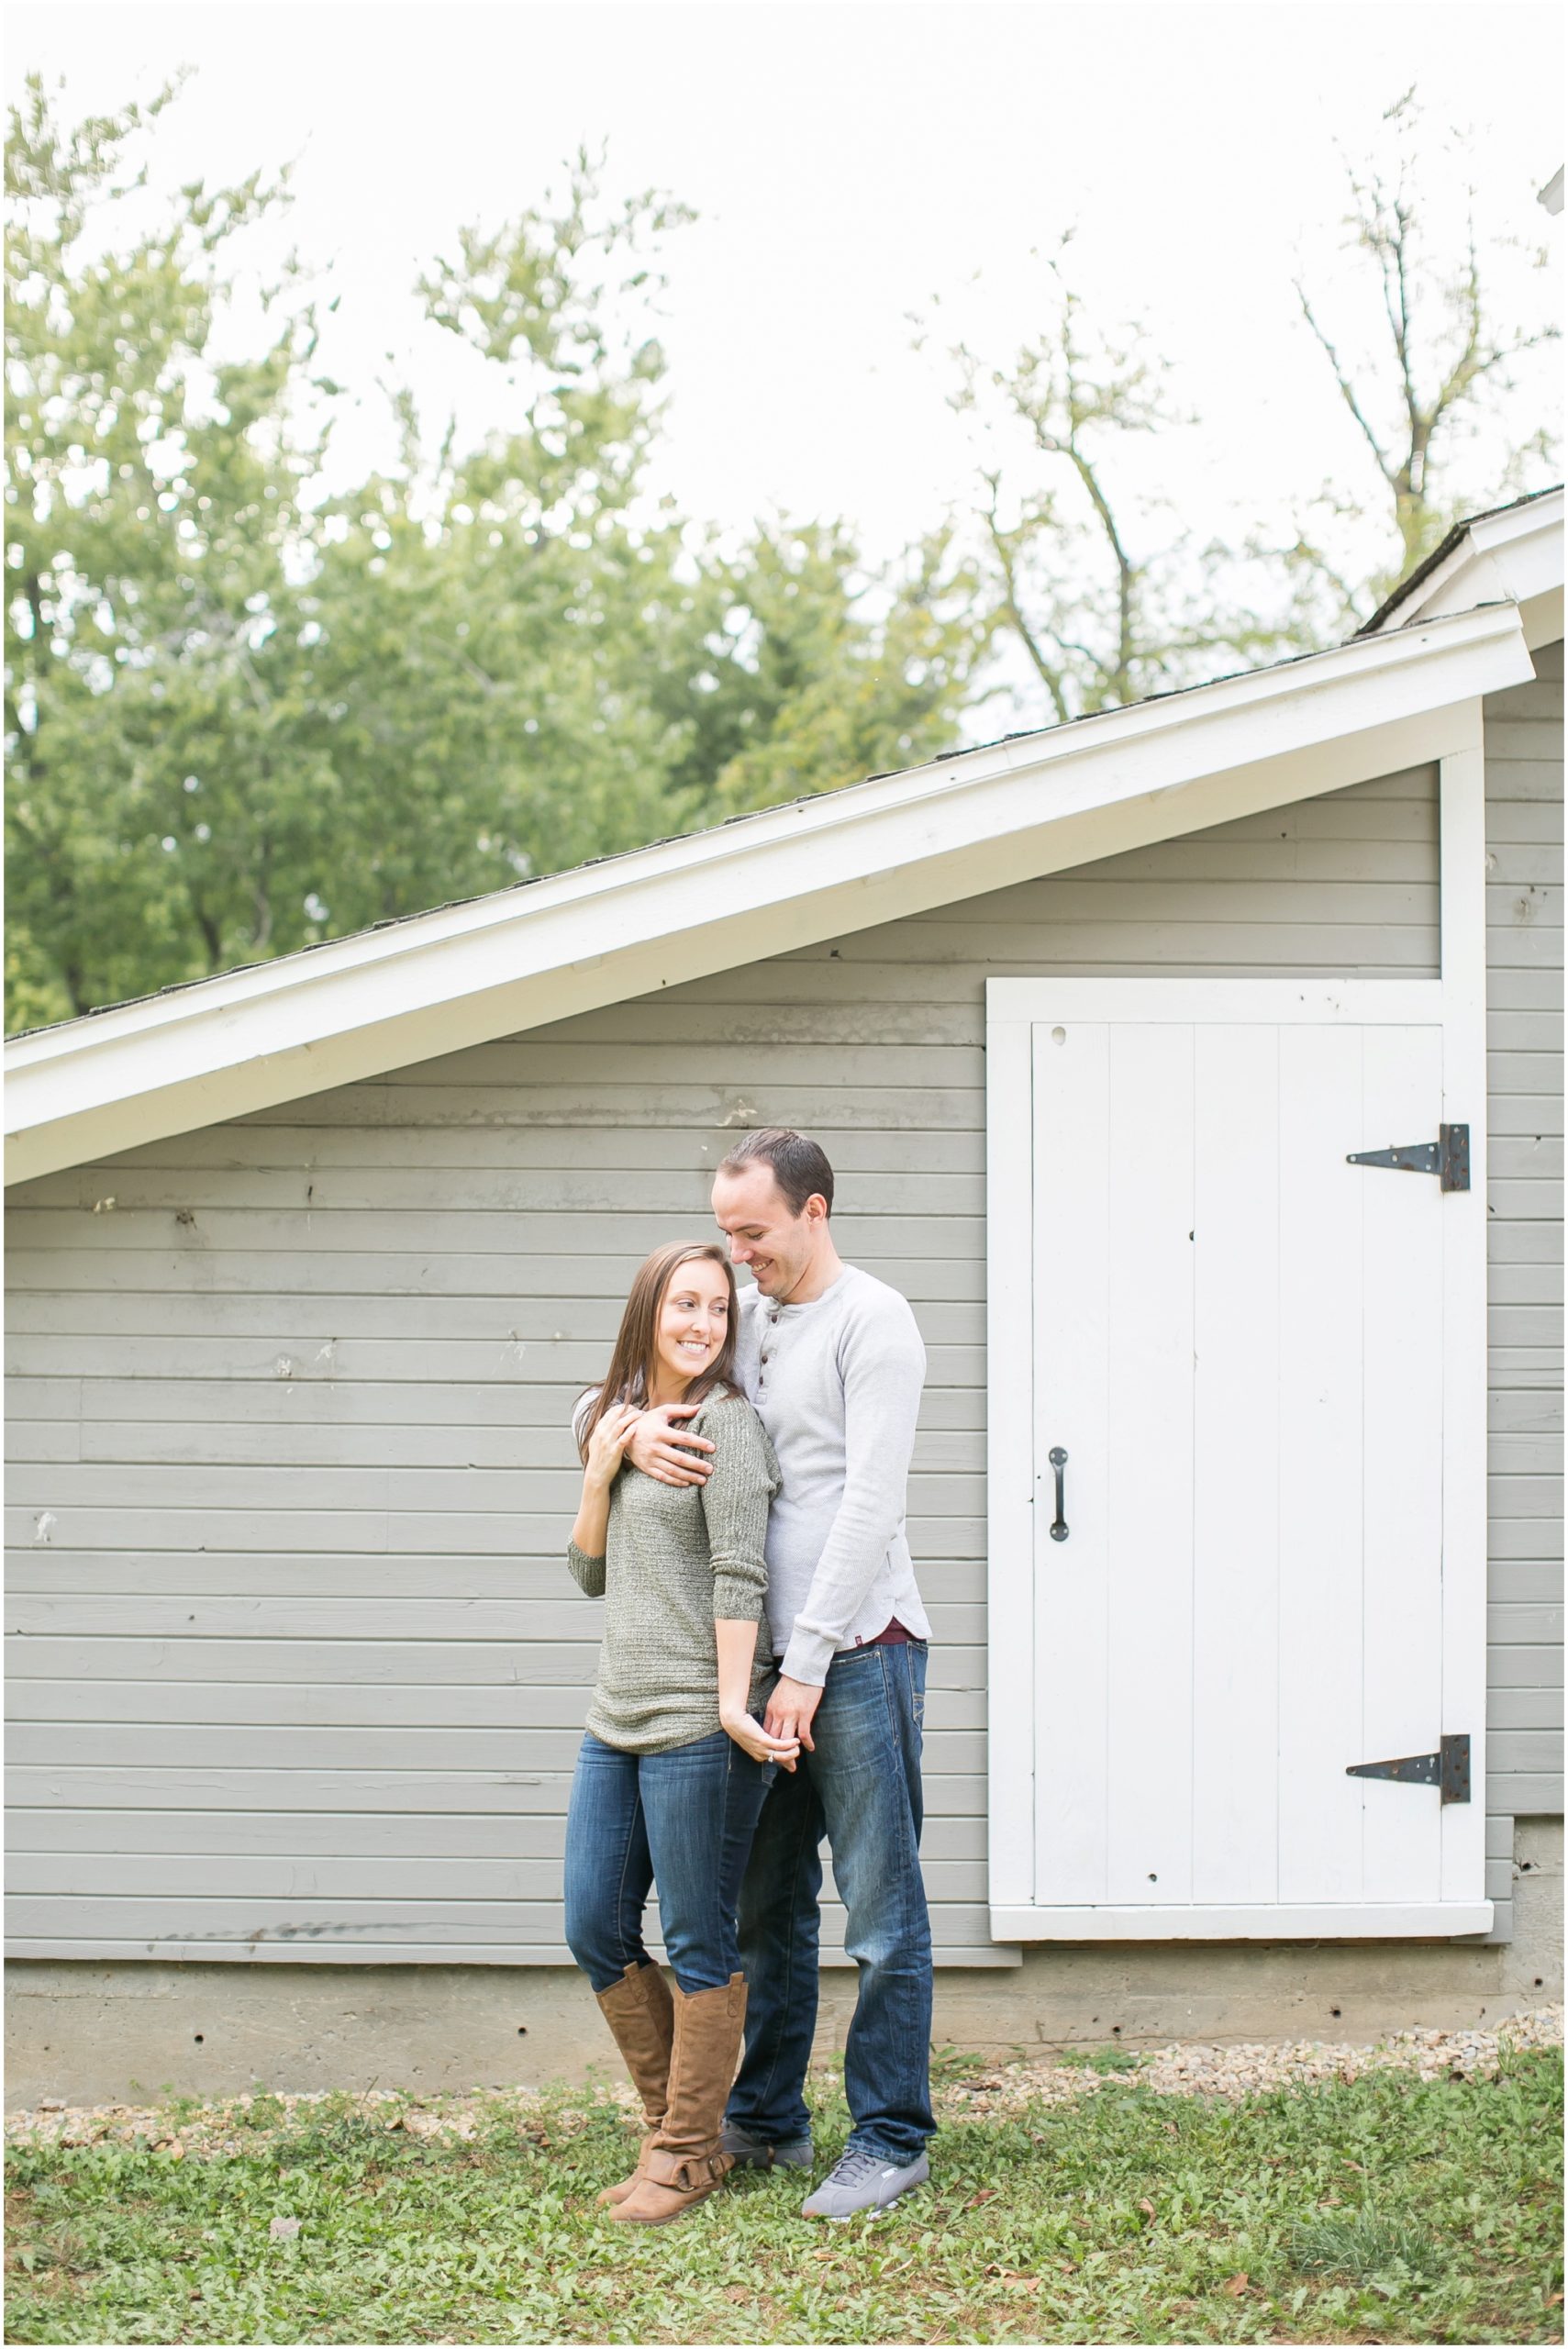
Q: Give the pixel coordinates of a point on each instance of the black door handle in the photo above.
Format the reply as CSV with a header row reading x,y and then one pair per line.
x,y
1058,1460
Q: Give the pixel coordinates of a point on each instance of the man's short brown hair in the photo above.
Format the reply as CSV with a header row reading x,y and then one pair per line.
x,y
800,1166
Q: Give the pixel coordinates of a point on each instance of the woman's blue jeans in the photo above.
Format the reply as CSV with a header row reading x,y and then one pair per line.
x,y
682,1820
861,1789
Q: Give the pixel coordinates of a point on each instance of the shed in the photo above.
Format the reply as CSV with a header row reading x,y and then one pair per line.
x,y
1192,1068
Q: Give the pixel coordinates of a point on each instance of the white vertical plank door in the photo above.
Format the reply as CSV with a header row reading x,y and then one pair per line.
x,y
1402,1422
1071,1719
1235,1415
1148,1277
1319,1372
1240,1341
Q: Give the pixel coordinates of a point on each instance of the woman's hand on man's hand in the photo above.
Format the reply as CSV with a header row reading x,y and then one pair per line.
x,y
660,1447
607,1444
753,1739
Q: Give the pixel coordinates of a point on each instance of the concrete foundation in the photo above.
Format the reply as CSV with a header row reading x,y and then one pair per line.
x,y
92,2034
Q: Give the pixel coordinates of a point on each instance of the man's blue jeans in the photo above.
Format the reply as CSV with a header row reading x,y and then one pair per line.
x,y
861,1787
685,1818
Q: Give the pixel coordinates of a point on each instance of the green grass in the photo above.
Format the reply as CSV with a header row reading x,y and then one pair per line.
x,y
1380,2208
1100,2059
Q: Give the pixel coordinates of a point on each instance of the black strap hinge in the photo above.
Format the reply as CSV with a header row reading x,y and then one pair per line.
x,y
1448,1158
1447,1768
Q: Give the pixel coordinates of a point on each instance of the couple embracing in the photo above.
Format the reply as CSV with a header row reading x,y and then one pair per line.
x,y
761,1686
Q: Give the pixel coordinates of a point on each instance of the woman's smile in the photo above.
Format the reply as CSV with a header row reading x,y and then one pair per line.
x,y
691,1326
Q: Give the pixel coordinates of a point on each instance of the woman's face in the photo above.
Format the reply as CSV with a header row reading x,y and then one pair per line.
x,y
694,1319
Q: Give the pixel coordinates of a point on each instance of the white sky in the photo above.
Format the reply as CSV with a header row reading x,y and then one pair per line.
x,y
848,163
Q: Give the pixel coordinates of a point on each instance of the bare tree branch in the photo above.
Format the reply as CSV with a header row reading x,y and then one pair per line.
x,y
1347,389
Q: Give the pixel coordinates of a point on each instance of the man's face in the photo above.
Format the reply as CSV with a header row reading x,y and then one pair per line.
x,y
765,1240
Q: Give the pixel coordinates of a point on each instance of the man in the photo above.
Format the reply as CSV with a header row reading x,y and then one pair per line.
x,y
832,1361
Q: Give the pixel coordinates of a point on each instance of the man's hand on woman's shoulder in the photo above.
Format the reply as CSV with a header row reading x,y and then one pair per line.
x,y
660,1447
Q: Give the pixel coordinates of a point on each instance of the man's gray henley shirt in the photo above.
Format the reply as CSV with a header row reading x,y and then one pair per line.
x,y
837,1385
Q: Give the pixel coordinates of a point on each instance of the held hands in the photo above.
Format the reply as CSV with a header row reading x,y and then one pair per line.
x,y
653,1448
607,1444
791,1709
752,1738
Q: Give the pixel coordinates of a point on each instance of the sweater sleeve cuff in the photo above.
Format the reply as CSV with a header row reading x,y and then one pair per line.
x,y
807,1656
736,1600
587,1573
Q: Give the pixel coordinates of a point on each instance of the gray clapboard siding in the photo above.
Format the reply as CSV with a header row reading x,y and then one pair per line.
x,y
345,1705
291,1396
361,1835
1524,938
494,1882
134,1787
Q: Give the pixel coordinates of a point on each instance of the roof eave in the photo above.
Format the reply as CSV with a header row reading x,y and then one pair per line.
x,y
358,1008
1512,554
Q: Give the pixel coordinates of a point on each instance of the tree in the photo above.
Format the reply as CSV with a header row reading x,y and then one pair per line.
x,y
243,717
1440,364
821,667
152,494
1108,599
1087,575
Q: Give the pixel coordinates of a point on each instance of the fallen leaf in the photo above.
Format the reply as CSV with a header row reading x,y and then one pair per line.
x,y
1146,2205
737,2292
281,2228
986,2194
1236,2285
824,2254
1553,2299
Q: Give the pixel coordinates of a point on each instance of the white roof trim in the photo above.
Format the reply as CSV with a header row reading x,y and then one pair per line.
x,y
361,1006
1514,555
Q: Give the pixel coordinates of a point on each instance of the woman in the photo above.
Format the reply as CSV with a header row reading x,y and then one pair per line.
x,y
673,1766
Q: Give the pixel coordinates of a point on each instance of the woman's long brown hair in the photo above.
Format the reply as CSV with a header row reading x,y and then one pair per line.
x,y
629,1377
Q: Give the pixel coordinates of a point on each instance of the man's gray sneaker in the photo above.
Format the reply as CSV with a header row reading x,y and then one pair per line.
x,y
861,2181
756,2152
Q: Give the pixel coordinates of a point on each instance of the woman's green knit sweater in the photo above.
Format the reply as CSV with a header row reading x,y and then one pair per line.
x,y
679,1558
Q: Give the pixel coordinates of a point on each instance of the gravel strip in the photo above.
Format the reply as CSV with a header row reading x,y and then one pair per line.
x,y
244,2124
1245,2068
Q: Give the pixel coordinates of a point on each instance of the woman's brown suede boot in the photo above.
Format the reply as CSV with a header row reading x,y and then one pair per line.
x,y
642,2015
684,2164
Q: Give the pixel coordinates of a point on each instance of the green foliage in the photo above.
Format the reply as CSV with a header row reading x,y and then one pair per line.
x,y
242,717
1365,2248
1377,2209
1103,2060
152,499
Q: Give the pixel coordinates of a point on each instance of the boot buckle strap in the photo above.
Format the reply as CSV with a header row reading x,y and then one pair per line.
x,y
687,2171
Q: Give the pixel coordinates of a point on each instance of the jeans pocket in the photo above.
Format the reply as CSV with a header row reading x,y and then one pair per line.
x,y
847,1659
